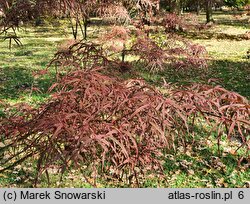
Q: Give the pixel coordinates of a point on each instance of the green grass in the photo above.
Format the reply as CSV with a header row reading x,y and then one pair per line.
x,y
200,166
18,64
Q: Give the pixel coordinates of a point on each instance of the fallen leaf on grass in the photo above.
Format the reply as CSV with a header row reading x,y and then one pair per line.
x,y
3,176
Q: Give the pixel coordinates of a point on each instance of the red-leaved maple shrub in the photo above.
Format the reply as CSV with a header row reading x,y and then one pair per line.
x,y
172,23
174,52
96,120
72,55
182,23
228,112
111,126
116,128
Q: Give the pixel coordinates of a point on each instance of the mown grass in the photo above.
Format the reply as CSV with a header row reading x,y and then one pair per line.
x,y
18,64
198,166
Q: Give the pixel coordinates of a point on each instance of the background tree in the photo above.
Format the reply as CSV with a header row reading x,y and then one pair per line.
x,y
209,10
236,3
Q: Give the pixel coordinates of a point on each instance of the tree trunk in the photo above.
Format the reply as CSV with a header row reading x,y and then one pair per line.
x,y
176,6
85,29
123,53
209,4
198,8
74,28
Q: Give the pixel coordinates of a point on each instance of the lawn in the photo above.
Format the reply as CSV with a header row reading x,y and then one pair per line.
x,y
200,165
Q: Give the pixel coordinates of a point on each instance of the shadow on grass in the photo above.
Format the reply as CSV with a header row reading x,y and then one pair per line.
x,y
170,75
231,18
237,23
202,165
222,18
18,82
203,169
213,35
235,19
234,76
